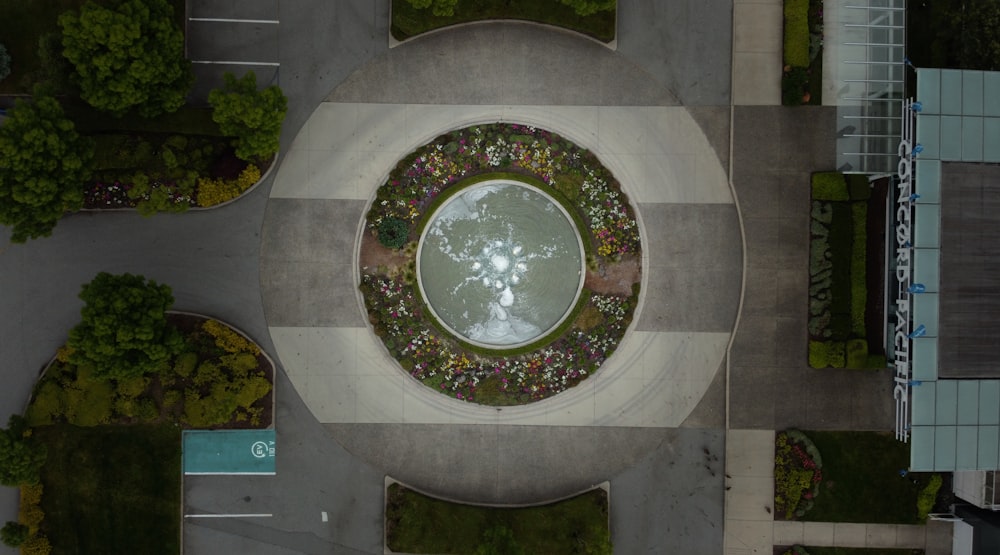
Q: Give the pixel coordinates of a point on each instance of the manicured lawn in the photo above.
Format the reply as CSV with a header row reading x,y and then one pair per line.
x,y
861,551
419,524
112,489
22,22
408,21
861,481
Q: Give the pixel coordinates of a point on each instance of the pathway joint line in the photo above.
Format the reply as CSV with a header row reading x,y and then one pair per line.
x,y
235,63
235,515
227,20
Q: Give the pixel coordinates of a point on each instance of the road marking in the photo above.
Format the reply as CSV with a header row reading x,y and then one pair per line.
x,y
225,20
244,515
323,516
235,63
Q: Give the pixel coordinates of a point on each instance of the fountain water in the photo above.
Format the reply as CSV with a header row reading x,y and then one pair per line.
x,y
500,264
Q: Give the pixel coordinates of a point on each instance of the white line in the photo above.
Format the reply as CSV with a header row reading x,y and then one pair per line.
x,y
224,20
274,64
254,515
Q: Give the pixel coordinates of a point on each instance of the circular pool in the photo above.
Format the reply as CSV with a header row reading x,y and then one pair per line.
x,y
500,264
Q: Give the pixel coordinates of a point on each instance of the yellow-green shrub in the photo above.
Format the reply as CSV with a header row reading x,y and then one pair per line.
x,y
797,32
48,404
228,340
30,512
217,191
928,496
36,545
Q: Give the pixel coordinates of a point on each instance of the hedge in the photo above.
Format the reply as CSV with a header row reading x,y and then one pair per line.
x,y
797,33
859,262
828,353
841,232
829,186
856,352
858,187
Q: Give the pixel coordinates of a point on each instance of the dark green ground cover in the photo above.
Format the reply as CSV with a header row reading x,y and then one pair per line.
x,y
112,489
416,523
408,21
861,481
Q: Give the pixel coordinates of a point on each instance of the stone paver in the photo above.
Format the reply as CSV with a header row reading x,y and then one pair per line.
x,y
757,52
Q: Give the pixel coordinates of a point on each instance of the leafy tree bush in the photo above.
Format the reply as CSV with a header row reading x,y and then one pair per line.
x,y
393,232
13,534
438,7
123,330
36,545
975,32
20,458
4,62
793,85
44,165
129,56
590,7
253,117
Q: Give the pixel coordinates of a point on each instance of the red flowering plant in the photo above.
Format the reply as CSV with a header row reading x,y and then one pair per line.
x,y
797,474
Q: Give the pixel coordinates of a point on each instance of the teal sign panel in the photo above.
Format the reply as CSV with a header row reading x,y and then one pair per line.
x,y
229,451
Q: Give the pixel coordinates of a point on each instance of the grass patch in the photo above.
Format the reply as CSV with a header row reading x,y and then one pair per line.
x,y
416,523
855,465
24,22
408,22
112,489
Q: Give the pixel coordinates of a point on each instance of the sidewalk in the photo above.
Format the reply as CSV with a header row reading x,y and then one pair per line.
x,y
751,528
757,52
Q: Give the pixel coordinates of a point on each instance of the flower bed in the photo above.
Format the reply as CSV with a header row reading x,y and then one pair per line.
x,y
797,474
560,360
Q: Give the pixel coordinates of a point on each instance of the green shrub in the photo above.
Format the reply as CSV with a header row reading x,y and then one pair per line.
x,y
90,403
30,512
239,364
251,391
835,354
36,545
48,404
857,353
393,232
797,32
208,373
858,186
228,339
793,85
859,263
821,212
132,387
829,186
928,496
4,63
841,239
185,364
819,354
13,534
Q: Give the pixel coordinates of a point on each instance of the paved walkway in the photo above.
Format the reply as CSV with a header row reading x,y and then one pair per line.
x,y
757,52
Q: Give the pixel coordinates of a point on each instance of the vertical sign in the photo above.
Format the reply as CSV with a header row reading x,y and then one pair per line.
x,y
902,342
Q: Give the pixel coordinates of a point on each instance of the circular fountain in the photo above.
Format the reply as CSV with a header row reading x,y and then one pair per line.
x,y
500,264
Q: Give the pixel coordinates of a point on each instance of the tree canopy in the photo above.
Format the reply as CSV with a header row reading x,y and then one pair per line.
x,y
975,32
123,330
21,459
129,56
253,117
44,165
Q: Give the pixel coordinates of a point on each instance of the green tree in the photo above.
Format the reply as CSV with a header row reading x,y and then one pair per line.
x,y
13,534
128,56
123,330
253,117
20,458
445,8
44,165
590,7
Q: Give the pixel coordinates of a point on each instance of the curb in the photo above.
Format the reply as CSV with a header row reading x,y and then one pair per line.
x,y
612,45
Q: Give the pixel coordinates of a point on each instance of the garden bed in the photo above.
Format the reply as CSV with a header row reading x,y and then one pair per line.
x,y
839,259
408,22
416,523
563,357
810,550
802,76
221,380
